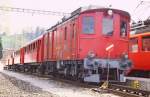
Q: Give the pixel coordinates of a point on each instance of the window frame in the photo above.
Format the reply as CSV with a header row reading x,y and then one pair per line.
x,y
131,46
107,17
126,29
65,33
73,31
83,25
143,49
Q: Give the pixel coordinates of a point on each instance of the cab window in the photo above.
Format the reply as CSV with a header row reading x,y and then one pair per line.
x,y
88,25
107,26
134,45
123,29
146,43
65,37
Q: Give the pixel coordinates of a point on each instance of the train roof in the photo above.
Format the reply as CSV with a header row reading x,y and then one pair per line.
x,y
88,10
106,9
32,41
140,34
141,26
79,11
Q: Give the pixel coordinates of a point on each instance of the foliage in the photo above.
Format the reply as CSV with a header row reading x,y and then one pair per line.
x,y
16,41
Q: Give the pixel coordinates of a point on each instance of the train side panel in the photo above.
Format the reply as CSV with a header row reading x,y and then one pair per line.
x,y
17,57
30,54
22,55
140,51
40,50
141,60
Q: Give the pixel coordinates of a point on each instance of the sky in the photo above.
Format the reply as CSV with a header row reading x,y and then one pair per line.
x,y
13,22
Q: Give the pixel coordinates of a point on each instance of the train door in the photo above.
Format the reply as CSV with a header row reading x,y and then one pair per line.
x,y
37,49
54,42
40,50
61,44
50,46
44,36
46,46
73,41
22,55
69,41
65,39
58,44
87,39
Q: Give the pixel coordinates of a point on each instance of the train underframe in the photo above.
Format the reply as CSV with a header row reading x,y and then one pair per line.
x,y
139,73
87,70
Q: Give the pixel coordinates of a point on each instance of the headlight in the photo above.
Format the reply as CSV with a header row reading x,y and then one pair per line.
x,y
110,12
124,55
91,54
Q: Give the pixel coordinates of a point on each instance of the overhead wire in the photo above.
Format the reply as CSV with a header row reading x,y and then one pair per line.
x,y
33,11
138,6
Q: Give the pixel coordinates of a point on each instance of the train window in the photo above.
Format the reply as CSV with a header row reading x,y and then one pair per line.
x,y
17,53
25,49
146,43
65,36
28,48
123,29
73,30
33,46
88,25
37,44
107,26
134,45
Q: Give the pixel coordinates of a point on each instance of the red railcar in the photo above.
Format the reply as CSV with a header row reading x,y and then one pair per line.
x,y
76,46
140,54
17,57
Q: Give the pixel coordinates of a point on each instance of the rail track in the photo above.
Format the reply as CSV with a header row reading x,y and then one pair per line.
x,y
124,91
116,88
64,80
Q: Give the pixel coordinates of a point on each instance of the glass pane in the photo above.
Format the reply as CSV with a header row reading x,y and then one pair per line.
x,y
88,25
65,38
123,29
146,43
107,26
134,45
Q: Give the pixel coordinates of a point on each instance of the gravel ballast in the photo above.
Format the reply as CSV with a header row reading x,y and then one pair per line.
x,y
12,87
34,86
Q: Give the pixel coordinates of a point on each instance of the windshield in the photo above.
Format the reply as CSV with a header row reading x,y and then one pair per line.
x,y
146,43
107,26
123,29
134,45
88,25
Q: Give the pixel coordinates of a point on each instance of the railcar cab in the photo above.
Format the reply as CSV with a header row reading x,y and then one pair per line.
x,y
99,29
140,53
102,27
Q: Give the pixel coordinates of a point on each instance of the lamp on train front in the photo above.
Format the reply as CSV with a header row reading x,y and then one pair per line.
x,y
110,12
91,54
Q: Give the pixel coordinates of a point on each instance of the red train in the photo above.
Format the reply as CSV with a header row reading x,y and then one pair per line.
x,y
140,54
77,47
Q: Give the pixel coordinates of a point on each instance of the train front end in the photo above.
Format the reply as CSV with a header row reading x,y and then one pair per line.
x,y
103,44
